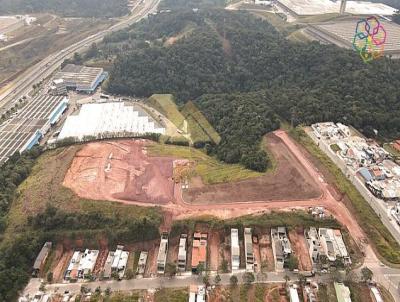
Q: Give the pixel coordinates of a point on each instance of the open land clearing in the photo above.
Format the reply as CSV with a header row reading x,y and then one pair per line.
x,y
120,170
289,181
45,185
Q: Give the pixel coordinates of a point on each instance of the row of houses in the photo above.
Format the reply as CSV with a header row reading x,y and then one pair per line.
x,y
372,163
326,242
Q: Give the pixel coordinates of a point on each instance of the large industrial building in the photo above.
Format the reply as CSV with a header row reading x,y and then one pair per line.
x,y
341,33
81,78
318,7
113,118
30,124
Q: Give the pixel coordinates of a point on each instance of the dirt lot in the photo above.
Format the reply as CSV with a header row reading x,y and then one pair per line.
x,y
120,170
290,181
299,246
266,255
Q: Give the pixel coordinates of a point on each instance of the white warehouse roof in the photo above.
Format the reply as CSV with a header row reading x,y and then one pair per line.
x,y
116,117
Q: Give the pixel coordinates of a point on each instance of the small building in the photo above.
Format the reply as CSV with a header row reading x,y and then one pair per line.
x,y
376,294
87,263
141,268
396,145
281,247
235,250
333,246
199,250
182,253
72,270
342,292
248,249
120,260
314,244
58,87
197,293
162,254
41,258
293,294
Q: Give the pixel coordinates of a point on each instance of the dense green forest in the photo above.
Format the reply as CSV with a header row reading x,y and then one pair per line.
x,y
70,8
234,53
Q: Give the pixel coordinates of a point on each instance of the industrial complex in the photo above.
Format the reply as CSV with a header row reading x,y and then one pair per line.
x,y
30,124
81,78
318,7
116,118
341,33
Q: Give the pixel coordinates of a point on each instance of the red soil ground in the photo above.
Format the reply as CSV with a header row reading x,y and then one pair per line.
x,y
290,181
146,181
120,170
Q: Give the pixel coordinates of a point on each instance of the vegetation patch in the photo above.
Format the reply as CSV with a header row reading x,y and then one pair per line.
x,y
199,127
208,168
376,232
171,295
165,104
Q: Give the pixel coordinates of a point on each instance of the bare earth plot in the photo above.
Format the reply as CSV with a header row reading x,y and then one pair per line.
x,y
120,170
290,181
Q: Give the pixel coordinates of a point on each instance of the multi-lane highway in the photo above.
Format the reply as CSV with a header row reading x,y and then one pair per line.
x,y
23,84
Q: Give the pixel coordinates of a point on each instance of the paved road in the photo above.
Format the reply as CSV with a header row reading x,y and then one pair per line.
x,y
157,282
23,84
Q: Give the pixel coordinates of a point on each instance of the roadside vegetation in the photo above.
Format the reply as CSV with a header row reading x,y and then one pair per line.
x,y
377,233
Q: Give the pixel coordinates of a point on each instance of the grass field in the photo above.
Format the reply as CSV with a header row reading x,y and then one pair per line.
x,y
171,295
44,186
200,129
165,104
326,293
208,168
377,233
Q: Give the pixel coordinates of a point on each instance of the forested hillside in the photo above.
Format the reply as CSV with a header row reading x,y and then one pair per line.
x,y
232,52
70,8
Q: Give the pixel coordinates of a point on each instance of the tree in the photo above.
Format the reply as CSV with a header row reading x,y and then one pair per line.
x,y
248,278
49,277
217,279
129,274
206,280
292,262
200,268
170,269
286,278
224,266
233,280
107,292
366,274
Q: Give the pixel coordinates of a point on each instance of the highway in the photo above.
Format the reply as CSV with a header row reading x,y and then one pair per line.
x,y
23,84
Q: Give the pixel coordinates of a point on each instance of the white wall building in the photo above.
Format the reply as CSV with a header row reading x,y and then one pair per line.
x,y
235,250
